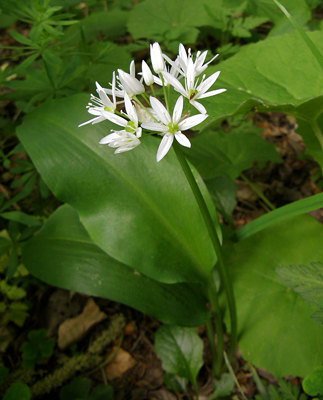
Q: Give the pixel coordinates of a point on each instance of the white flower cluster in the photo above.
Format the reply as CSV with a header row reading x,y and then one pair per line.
x,y
155,117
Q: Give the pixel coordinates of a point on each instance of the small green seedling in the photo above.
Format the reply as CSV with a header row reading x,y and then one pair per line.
x,y
36,349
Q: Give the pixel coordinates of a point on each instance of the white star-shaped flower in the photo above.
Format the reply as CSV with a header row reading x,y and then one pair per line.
x,y
128,138
194,91
102,104
170,127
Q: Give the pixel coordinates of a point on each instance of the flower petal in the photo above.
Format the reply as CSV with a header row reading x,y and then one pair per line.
x,y
130,109
212,93
154,126
182,139
164,146
116,119
177,112
191,121
109,138
205,85
198,106
160,110
175,83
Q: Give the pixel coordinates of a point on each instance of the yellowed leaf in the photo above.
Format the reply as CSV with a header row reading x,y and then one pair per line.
x,y
120,364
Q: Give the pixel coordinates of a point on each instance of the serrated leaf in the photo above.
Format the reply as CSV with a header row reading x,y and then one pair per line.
x,y
180,350
313,383
307,280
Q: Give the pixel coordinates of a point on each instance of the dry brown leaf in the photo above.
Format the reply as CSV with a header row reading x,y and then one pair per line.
x,y
120,364
74,329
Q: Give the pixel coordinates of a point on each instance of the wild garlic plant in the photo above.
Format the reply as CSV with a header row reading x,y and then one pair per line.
x,y
150,116
139,120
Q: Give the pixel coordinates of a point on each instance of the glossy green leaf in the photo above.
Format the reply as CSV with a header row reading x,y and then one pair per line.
x,y
140,212
180,350
313,383
228,154
63,255
223,193
276,330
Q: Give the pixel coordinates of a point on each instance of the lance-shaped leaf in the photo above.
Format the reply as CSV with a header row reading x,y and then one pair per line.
x,y
140,212
62,254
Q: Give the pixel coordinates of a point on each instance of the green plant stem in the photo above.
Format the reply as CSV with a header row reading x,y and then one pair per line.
x,y
152,90
226,359
317,131
143,107
216,355
224,275
164,89
258,192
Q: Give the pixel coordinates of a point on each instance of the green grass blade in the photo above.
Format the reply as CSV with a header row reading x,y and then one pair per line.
x,y
290,210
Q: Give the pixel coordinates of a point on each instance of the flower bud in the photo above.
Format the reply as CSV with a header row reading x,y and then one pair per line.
x,y
130,84
157,58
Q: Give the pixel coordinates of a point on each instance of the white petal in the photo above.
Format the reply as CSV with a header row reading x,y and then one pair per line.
x,y
208,94
154,126
131,112
177,112
190,75
132,68
146,73
105,99
164,146
157,58
205,85
92,121
109,138
160,110
182,139
115,118
191,121
175,83
198,106
130,84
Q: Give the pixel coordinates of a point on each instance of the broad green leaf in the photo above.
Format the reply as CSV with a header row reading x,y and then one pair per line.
x,y
223,387
16,391
140,212
104,58
62,254
313,383
223,193
228,154
180,350
154,19
276,330
307,280
276,74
